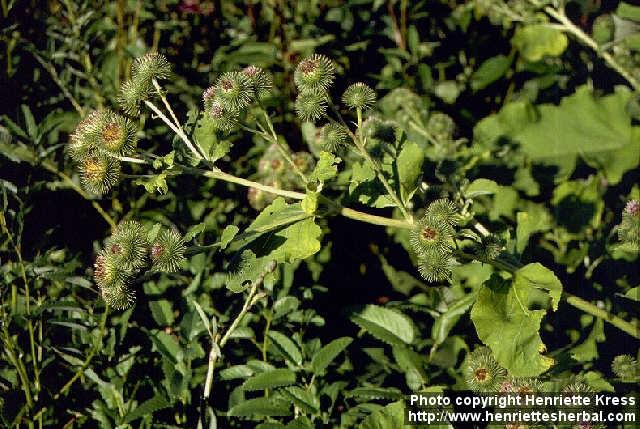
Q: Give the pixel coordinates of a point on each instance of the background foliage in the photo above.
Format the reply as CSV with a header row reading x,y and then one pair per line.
x,y
524,113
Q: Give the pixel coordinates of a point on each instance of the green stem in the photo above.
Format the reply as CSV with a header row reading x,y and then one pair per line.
x,y
375,220
174,128
96,347
584,38
283,150
360,144
219,174
217,345
587,307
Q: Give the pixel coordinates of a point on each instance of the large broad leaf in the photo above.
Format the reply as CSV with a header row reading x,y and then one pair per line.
x,y
508,327
387,325
297,241
277,215
596,129
294,235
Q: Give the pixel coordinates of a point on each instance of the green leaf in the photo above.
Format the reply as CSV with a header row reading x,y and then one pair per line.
x,y
389,417
481,187
628,11
156,183
596,129
227,235
148,407
310,203
387,325
162,312
302,398
260,407
538,276
509,329
411,363
286,347
535,220
538,40
270,379
447,320
323,357
32,128
391,393
633,293
297,241
490,71
277,215
588,349
409,165
326,168
236,371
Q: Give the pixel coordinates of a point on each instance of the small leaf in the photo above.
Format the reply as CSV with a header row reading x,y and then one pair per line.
x,y
286,346
323,357
227,235
236,371
409,165
389,417
539,40
326,168
490,71
162,312
310,203
260,407
387,325
32,128
481,187
148,407
270,379
302,398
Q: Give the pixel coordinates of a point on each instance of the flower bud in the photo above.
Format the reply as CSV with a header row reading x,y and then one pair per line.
x,y
483,373
234,91
314,73
261,81
333,136
359,96
167,251
99,173
127,246
626,368
311,105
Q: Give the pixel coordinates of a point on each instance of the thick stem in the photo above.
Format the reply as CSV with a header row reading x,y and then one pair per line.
x,y
375,220
219,174
603,314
